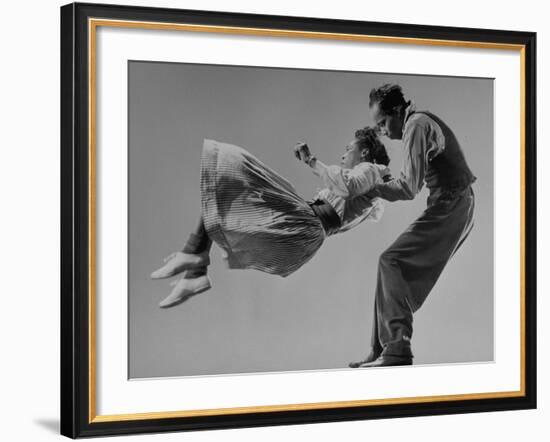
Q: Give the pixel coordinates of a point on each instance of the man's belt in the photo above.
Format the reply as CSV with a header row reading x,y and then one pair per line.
x,y
327,215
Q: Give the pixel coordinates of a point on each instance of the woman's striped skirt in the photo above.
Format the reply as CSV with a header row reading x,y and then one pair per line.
x,y
254,214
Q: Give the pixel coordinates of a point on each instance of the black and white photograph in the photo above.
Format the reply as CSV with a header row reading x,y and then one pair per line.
x,y
273,220
296,219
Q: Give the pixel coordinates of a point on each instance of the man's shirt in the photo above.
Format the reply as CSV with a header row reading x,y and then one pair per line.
x,y
423,140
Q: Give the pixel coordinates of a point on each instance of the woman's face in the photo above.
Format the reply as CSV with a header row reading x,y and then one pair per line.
x,y
353,155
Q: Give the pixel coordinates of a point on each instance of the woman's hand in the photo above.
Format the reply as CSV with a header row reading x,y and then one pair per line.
x,y
302,152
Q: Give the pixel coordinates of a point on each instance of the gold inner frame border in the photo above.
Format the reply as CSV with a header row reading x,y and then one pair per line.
x,y
93,24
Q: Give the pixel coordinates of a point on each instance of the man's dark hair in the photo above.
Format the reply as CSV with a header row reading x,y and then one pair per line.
x,y
388,97
368,139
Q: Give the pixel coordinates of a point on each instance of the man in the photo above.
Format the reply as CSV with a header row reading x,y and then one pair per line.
x,y
410,267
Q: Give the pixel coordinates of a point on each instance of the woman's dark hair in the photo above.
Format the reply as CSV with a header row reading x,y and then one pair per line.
x,y
368,139
388,97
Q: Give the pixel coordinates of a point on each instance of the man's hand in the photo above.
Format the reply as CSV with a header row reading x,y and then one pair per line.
x,y
301,151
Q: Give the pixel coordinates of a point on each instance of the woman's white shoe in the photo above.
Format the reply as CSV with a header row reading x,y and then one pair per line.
x,y
184,289
177,262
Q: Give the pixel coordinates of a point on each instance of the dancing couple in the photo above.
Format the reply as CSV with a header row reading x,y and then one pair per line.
x,y
259,221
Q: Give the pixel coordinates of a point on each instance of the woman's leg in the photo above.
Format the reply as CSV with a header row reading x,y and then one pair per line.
x,y
198,243
195,279
195,255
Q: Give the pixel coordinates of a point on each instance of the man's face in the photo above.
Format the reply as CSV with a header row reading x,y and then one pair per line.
x,y
389,125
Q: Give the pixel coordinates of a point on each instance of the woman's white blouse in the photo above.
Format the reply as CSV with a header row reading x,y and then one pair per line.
x,y
346,191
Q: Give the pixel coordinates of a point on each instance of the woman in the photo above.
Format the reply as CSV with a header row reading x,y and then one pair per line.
x,y
259,220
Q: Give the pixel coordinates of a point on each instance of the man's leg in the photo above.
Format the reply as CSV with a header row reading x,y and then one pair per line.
x,y
376,348
393,313
410,267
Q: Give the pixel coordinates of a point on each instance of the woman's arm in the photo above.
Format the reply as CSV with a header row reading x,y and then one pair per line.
x,y
347,183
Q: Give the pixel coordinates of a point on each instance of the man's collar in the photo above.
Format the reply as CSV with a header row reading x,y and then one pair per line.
x,y
409,110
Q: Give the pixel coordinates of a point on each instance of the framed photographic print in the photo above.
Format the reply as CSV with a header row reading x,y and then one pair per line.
x,y
274,220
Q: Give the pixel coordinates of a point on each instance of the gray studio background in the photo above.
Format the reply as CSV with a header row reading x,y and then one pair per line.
x,y
320,317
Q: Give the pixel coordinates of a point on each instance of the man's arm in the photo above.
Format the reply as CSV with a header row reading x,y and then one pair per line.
x,y
411,178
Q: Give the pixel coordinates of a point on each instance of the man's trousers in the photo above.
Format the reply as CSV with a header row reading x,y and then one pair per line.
x,y
409,268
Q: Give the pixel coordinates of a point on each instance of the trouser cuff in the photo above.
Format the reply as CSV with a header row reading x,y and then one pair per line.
x,y
398,348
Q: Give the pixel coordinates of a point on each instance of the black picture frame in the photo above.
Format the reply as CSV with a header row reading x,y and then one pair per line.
x,y
76,403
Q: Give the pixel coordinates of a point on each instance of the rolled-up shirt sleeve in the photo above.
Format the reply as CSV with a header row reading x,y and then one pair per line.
x,y
349,183
411,178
